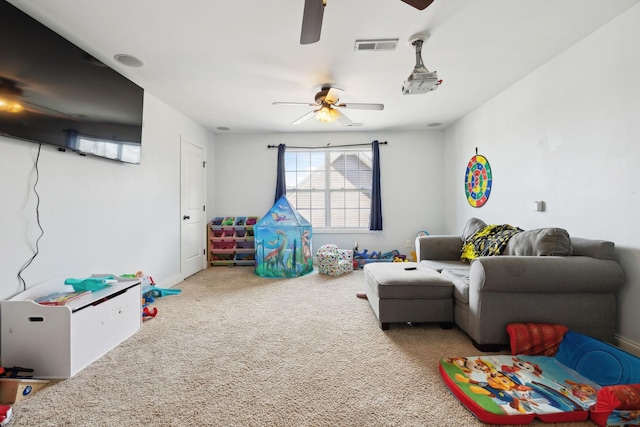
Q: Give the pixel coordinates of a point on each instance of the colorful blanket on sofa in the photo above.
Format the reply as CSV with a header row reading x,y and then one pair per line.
x,y
586,378
491,240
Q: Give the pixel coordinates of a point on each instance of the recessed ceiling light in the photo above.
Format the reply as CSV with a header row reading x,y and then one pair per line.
x,y
128,60
434,124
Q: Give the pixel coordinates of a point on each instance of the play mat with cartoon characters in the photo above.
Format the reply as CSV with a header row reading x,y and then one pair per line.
x,y
585,378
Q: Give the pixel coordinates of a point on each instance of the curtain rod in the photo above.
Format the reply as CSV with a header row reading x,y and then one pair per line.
x,y
330,146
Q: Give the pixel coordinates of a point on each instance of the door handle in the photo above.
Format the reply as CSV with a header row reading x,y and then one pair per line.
x,y
186,217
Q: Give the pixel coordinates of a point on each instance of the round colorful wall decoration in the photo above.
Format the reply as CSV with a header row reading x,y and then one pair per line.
x,y
477,181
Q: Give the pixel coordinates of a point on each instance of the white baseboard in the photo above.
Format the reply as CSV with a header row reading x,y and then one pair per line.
x,y
170,282
627,345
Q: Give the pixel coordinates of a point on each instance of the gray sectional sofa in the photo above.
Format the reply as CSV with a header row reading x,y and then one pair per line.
x,y
542,276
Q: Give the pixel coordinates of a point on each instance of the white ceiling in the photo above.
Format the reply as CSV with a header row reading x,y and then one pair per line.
x,y
224,63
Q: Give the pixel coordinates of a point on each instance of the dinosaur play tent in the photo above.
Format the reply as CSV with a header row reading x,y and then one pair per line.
x,y
283,242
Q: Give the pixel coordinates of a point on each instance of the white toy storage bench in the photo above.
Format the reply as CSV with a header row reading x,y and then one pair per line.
x,y
60,341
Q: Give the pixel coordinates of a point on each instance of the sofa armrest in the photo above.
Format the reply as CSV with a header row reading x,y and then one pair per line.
x,y
545,274
444,247
603,249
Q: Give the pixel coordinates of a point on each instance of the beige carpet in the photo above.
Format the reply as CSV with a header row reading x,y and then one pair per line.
x,y
234,349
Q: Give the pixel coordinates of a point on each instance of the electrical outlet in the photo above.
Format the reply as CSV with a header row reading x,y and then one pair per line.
x,y
407,244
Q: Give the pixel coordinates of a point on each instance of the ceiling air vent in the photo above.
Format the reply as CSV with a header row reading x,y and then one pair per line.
x,y
370,45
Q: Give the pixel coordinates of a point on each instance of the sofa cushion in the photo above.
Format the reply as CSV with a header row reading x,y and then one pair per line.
x,y
472,227
540,242
460,280
442,264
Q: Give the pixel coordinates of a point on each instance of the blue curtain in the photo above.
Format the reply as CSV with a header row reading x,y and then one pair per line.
x,y
375,218
281,186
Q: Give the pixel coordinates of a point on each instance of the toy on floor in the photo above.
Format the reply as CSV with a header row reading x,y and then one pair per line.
x,y
355,261
334,261
149,313
6,412
361,258
390,255
395,256
366,255
585,378
15,372
149,294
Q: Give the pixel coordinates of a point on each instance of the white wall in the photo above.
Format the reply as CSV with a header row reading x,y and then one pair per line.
x,y
98,216
569,135
411,175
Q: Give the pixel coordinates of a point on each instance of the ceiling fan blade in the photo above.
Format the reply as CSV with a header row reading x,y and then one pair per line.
x,y
419,4
312,21
304,118
359,106
344,120
306,104
333,95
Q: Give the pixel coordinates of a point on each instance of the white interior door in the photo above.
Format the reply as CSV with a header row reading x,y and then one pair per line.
x,y
192,196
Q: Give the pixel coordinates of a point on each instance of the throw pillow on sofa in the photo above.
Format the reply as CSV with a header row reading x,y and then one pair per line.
x,y
541,242
547,241
472,227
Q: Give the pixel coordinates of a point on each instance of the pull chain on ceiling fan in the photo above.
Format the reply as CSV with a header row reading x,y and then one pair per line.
x,y
314,12
326,101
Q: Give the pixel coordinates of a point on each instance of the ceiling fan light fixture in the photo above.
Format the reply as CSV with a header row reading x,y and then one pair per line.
x,y
327,108
326,114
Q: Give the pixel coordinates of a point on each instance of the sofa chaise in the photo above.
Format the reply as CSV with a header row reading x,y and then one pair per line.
x,y
540,276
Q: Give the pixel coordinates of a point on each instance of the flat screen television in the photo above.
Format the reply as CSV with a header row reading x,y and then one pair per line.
x,y
53,92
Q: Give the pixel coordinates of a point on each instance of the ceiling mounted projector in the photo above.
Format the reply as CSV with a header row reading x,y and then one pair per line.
x,y
421,80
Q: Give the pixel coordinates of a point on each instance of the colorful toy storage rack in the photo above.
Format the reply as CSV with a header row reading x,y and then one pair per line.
x,y
231,240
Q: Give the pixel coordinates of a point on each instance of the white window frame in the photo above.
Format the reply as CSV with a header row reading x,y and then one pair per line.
x,y
297,177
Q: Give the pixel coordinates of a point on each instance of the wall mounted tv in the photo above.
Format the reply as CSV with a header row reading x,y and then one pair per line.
x,y
53,92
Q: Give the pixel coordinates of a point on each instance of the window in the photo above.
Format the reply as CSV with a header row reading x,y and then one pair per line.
x,y
331,188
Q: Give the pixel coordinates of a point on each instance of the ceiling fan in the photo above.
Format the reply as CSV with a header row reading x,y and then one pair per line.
x,y
314,11
326,101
